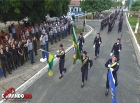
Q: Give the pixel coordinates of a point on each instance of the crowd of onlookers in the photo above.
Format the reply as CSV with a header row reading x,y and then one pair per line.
x,y
14,48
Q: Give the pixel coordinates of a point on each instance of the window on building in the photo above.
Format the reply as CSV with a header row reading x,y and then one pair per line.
x,y
71,9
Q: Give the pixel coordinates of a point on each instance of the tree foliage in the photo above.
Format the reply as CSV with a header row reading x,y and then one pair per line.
x,y
57,7
36,10
95,5
135,6
116,3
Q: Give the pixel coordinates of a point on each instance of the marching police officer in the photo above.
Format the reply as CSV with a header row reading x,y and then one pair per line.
x,y
86,64
61,60
81,42
120,26
96,45
117,47
113,66
30,49
4,63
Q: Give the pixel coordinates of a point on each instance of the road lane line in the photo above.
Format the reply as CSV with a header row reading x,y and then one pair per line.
x,y
44,69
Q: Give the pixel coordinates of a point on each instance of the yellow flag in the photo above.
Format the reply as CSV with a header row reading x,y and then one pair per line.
x,y
50,73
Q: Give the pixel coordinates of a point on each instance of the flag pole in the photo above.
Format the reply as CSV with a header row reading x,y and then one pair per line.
x,y
45,51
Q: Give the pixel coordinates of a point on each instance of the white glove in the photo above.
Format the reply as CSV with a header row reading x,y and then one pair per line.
x,y
88,67
111,69
57,51
82,43
119,50
99,42
109,65
55,56
93,46
111,54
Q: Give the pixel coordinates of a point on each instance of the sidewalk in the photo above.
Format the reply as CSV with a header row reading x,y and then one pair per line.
x,y
22,74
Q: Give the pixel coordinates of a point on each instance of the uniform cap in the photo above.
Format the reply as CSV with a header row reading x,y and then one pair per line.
x,y
98,33
84,52
118,39
61,45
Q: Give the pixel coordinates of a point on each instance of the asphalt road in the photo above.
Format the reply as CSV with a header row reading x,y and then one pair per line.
x,y
68,89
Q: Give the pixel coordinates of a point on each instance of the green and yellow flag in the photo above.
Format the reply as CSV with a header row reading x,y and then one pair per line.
x,y
50,59
76,52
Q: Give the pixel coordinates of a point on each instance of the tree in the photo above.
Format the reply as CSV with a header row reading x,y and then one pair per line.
x,y
95,5
35,10
57,7
135,6
116,3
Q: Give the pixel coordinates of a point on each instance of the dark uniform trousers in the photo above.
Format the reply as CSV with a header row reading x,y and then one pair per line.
x,y
84,68
10,63
58,35
61,65
15,59
21,58
5,67
97,49
35,49
120,29
84,71
80,47
26,56
54,36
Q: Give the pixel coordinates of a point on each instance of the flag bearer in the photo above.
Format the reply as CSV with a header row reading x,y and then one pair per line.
x,y
61,60
113,66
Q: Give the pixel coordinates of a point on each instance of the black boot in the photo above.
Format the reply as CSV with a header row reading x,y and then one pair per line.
x,y
106,93
60,76
82,85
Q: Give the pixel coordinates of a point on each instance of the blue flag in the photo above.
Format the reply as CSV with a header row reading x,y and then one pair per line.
x,y
112,86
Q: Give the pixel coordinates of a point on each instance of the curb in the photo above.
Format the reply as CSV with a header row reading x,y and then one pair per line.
x,y
44,70
134,40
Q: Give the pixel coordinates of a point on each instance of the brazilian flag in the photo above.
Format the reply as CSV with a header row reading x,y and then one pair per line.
x,y
50,60
76,52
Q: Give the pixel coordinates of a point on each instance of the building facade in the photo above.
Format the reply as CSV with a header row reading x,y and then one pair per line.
x,y
75,6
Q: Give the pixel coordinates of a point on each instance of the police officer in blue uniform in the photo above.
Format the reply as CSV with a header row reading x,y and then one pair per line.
x,y
61,57
81,42
96,45
113,66
86,64
120,26
117,47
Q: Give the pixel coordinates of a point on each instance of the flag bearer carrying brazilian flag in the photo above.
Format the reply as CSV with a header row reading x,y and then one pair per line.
x,y
76,52
61,57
